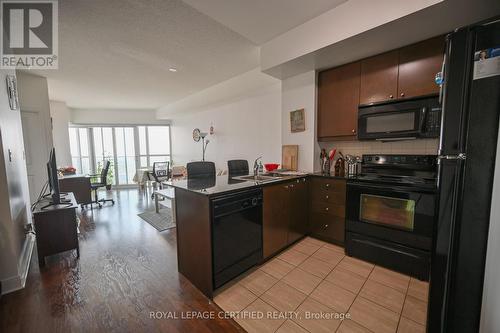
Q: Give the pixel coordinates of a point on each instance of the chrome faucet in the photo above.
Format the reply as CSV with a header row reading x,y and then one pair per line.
x,y
256,167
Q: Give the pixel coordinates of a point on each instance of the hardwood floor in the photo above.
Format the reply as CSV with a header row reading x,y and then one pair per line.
x,y
127,269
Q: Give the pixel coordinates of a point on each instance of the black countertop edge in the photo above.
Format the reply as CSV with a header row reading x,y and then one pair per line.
x,y
222,185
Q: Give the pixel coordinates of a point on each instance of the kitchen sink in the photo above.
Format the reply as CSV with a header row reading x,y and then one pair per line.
x,y
259,178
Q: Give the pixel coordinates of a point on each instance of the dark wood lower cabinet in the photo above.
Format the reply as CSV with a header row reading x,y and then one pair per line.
x,y
275,218
327,209
286,215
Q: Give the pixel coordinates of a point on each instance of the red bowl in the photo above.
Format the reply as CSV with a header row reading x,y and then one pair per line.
x,y
271,166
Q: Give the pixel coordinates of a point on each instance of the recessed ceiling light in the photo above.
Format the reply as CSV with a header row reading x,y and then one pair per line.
x,y
173,69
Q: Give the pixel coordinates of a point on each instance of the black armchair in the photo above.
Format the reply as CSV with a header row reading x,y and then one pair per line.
x,y
201,170
101,182
237,168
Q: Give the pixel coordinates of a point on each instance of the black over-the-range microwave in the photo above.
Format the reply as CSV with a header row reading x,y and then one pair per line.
x,y
419,118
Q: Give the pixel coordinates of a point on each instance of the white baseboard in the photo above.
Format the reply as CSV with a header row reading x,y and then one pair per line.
x,y
19,281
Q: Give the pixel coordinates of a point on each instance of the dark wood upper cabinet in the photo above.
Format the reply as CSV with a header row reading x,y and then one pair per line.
x,y
338,99
379,78
418,65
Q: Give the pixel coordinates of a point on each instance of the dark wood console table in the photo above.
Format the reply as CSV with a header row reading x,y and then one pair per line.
x,y
56,228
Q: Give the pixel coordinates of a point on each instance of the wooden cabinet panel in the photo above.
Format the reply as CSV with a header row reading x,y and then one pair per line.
x,y
328,226
327,210
379,78
275,218
299,212
418,65
338,99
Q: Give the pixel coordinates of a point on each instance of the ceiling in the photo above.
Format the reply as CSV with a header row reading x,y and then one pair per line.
x,y
117,53
262,20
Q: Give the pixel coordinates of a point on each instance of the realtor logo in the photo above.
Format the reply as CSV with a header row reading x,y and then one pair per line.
x,y
29,36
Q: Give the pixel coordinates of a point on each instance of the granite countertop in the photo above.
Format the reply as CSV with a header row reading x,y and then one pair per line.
x,y
223,184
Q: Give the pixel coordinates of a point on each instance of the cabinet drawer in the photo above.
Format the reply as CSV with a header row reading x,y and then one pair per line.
x,y
329,197
328,226
328,208
327,184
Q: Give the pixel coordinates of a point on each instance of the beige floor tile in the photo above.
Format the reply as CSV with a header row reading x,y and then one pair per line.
x,y
415,310
409,326
277,268
390,278
309,317
258,325
350,326
293,257
334,247
346,279
302,281
382,295
374,317
235,298
315,241
419,289
290,327
316,267
329,256
258,282
306,248
357,266
283,297
333,296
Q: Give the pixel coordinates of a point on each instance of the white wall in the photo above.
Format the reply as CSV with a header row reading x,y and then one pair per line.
x,y
244,129
296,93
490,321
60,115
115,117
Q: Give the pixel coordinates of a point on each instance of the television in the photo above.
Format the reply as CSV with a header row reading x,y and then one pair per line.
x,y
53,179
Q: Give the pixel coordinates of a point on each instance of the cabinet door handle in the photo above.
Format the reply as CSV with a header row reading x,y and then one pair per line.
x,y
390,96
327,185
286,187
354,131
327,209
403,94
325,226
327,197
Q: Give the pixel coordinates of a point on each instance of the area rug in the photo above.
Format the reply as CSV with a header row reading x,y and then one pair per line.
x,y
161,221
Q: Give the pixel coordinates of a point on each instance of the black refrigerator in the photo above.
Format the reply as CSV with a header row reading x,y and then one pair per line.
x,y
471,105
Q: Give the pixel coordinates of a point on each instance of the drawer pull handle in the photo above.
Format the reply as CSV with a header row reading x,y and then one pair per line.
x,y
327,209
326,197
326,226
327,185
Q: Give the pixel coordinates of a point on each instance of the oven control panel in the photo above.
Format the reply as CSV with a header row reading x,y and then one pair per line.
x,y
394,160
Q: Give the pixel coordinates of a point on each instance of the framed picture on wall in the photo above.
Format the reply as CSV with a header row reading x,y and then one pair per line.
x,y
297,121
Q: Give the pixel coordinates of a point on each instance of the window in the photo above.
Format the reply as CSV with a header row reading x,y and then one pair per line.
x,y
154,144
80,152
127,148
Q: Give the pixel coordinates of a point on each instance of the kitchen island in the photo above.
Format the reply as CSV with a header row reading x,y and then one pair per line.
x,y
220,226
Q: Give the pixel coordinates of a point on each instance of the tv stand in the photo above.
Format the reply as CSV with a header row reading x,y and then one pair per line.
x,y
56,227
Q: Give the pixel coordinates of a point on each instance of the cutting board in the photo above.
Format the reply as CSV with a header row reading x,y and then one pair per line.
x,y
290,157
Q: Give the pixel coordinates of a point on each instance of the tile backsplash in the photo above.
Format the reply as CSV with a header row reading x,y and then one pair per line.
x,y
417,147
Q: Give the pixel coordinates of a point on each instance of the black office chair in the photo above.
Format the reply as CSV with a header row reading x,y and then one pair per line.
x,y
161,172
237,168
102,182
201,170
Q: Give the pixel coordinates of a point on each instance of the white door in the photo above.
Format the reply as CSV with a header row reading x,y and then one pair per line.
x,y
36,145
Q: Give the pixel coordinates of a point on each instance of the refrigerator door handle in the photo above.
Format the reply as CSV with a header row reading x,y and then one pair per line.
x,y
461,156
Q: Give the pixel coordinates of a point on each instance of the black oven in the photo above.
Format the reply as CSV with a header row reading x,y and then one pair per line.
x,y
391,212
419,118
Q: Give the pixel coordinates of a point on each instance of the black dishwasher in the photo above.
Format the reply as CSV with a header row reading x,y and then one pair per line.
x,y
236,234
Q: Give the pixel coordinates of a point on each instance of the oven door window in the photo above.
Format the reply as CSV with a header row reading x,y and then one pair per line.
x,y
394,212
391,122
